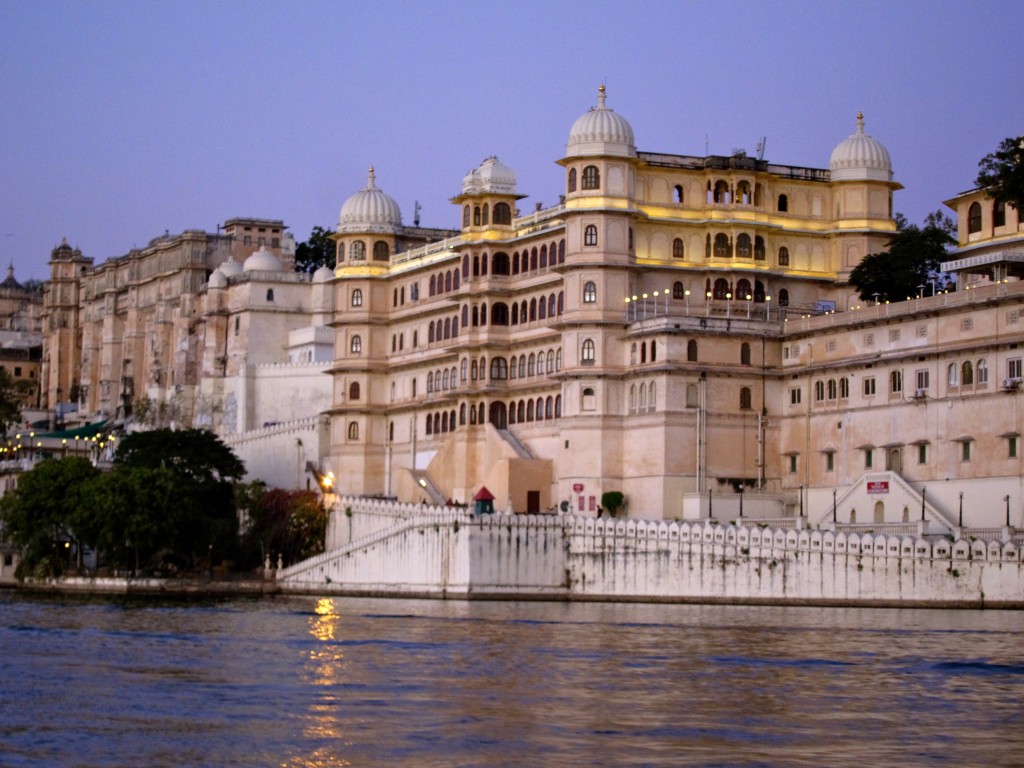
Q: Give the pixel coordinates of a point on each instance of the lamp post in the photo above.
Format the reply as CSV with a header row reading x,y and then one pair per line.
x,y
728,304
875,296
924,495
1007,500
656,295
627,309
686,295
749,299
834,517
741,502
801,501
961,522
707,305
767,308
645,306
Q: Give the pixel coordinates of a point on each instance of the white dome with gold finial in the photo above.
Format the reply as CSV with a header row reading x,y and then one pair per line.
x,y
601,132
490,177
370,210
262,261
859,157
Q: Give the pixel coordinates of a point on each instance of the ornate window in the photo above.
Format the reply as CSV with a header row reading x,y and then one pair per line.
x,y
744,354
974,218
590,235
572,180
589,292
591,177
357,252
783,203
341,252
381,251
783,256
677,248
745,399
356,345
357,297
999,214
588,352
677,290
353,391
759,250
502,213
982,370
721,245
743,248
465,216
499,368
691,351
353,430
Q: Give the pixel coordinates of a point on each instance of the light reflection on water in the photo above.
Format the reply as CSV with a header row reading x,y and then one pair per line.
x,y
307,682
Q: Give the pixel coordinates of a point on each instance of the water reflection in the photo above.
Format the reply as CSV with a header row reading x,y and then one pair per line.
x,y
337,682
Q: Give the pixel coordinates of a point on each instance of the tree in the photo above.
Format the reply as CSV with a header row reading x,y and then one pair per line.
x,y
913,259
195,454
612,500
44,510
318,251
292,524
1001,173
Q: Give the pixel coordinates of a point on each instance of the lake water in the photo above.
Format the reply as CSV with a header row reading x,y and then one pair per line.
x,y
302,681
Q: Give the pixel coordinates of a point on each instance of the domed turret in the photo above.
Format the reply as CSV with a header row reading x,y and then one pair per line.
x,y
370,210
262,261
323,274
860,158
490,177
217,279
601,132
230,268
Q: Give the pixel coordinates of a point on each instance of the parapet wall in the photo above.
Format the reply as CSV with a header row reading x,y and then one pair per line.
x,y
442,552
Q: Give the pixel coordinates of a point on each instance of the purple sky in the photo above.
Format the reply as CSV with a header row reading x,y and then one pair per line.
x,y
119,120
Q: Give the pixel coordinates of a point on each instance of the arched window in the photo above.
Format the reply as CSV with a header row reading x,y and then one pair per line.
x,y
691,395
742,290
542,309
759,248
589,292
654,351
486,214
561,251
357,297
515,314
353,430
967,373
677,248
844,388
999,214
531,367
558,406
982,371
551,361
743,249
433,285
721,245
465,267
643,353
558,360
476,215
446,380
499,314
448,282
632,354
677,290
463,367
721,290
784,297
561,302
974,218
356,345
744,353
691,351
745,399
358,251
543,257
783,203
500,264
529,410
270,294
499,368
353,391
679,193
502,213
572,180
591,177
522,367
473,370
512,367
341,253
430,333
642,400
831,389
533,310
430,382
551,305
533,259
590,235
652,397
819,391
953,375
447,327
588,352
465,216
381,251
895,382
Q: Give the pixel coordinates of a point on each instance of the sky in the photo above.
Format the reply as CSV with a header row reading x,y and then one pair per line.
x,y
122,120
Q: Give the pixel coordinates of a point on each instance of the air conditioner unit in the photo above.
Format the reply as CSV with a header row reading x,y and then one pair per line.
x,y
920,393
1011,383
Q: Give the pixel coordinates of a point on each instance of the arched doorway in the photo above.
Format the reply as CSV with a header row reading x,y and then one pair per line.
x,y
499,415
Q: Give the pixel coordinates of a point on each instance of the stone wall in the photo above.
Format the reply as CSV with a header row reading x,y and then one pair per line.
x,y
441,552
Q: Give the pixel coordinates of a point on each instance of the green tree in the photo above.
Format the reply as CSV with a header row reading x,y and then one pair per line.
x,y
612,501
1001,173
203,469
44,510
913,259
319,250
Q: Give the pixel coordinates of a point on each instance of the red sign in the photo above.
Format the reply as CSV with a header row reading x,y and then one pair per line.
x,y
577,488
879,486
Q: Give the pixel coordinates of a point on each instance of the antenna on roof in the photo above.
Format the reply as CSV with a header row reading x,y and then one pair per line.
x,y
760,148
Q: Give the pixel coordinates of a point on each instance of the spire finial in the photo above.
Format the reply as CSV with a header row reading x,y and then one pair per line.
x,y
600,96
860,122
372,177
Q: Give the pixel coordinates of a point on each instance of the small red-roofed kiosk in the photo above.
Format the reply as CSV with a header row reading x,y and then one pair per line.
x,y
483,502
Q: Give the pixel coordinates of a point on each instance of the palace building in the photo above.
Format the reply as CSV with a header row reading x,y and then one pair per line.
x,y
678,328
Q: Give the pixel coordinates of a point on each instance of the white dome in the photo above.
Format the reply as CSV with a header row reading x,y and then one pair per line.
x,y
323,274
262,261
491,176
860,158
370,210
601,132
230,268
217,279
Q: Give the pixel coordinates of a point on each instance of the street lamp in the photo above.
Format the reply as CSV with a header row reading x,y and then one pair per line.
x,y
686,295
767,308
627,309
749,299
728,304
834,506
876,295
961,523
707,305
656,295
924,495
1007,500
